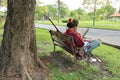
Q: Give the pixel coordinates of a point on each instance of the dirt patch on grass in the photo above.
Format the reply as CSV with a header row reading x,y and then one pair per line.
x,y
102,70
59,59
65,63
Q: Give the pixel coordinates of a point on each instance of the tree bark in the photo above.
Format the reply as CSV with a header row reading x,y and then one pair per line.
x,y
18,50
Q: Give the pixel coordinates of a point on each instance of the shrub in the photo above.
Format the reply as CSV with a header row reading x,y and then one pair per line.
x,y
64,21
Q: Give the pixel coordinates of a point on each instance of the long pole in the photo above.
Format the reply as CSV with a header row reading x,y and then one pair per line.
x,y
52,23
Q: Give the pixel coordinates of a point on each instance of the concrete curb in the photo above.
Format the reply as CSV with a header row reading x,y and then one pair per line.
x,y
118,47
101,28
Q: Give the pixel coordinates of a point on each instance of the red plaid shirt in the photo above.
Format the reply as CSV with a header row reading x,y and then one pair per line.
x,y
79,41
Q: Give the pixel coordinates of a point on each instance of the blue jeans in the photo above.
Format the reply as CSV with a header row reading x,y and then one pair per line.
x,y
91,45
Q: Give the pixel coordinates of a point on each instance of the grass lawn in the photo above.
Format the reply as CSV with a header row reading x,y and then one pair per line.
x,y
99,24
109,55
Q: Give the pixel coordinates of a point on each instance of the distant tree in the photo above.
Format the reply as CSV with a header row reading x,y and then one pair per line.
x,y
74,14
119,10
104,12
64,10
79,14
89,4
108,9
100,14
40,11
82,14
52,11
103,8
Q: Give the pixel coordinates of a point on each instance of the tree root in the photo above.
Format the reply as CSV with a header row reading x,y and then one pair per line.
x,y
25,75
25,72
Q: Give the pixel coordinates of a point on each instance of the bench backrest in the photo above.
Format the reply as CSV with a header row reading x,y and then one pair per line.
x,y
61,38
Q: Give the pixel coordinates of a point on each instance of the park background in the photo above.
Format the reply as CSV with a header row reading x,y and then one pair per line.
x,y
87,15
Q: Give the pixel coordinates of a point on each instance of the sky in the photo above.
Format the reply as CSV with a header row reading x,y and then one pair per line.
x,y
75,4
72,4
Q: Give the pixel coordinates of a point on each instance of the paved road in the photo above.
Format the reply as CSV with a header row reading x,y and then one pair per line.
x,y
111,37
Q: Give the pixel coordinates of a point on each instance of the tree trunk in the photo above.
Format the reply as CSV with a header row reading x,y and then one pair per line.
x,y
18,50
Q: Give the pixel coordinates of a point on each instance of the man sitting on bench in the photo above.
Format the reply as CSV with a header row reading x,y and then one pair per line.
x,y
88,45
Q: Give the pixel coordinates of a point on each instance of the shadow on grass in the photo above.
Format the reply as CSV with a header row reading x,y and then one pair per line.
x,y
59,60
62,62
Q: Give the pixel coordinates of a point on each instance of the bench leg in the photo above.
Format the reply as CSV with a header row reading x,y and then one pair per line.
x,y
75,60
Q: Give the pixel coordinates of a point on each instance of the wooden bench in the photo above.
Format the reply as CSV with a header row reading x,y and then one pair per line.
x,y
59,39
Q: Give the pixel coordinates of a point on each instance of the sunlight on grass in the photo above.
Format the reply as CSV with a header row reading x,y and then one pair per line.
x,y
42,35
44,42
